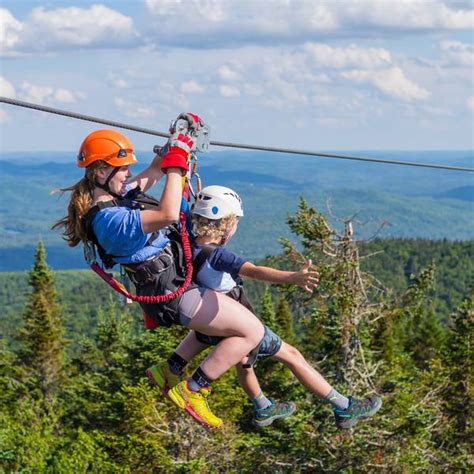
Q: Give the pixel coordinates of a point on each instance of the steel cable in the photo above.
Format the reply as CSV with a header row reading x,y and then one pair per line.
x,y
149,131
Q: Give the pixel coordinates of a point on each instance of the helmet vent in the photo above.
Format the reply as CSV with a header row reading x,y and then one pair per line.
x,y
234,196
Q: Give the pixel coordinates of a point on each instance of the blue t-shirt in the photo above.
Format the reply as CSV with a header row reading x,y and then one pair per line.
x,y
220,270
119,231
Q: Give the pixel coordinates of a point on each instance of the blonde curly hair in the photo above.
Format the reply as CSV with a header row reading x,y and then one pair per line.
x,y
214,229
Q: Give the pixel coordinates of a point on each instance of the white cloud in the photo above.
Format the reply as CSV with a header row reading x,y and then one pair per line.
x,y
391,82
321,78
6,88
417,15
35,93
470,103
65,28
228,74
39,94
457,53
290,92
10,31
131,109
214,23
116,81
214,11
351,57
229,91
191,87
166,98
63,95
291,65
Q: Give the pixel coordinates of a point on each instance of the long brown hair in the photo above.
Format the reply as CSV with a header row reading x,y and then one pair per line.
x,y
79,203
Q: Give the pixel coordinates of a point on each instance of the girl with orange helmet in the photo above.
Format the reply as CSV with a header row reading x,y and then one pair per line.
x,y
106,206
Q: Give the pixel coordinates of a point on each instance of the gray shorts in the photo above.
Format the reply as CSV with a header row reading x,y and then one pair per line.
x,y
269,346
189,305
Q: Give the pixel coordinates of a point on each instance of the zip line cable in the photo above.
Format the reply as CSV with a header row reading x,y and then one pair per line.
x,y
148,131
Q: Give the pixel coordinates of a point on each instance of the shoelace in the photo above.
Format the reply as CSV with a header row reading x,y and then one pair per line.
x,y
205,392
361,405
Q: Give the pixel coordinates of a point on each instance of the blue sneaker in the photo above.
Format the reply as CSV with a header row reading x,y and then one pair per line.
x,y
357,410
266,416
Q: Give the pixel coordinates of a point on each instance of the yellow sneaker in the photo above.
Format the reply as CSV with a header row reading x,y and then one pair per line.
x,y
195,404
161,376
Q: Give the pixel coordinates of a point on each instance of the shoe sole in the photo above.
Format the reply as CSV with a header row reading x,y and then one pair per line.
x,y
270,420
351,422
188,408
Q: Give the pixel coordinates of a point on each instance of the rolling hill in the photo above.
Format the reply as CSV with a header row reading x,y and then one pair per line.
x,y
411,202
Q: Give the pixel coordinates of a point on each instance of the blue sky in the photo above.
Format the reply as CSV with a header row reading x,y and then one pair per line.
x,y
341,75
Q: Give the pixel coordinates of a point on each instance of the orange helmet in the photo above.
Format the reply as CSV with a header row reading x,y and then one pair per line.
x,y
106,145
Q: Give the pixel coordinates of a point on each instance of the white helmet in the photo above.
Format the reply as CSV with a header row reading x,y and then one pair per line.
x,y
217,202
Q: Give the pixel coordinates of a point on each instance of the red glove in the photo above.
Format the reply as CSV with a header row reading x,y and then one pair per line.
x,y
196,119
178,154
193,122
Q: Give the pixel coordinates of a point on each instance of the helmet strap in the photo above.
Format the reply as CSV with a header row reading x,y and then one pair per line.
x,y
105,186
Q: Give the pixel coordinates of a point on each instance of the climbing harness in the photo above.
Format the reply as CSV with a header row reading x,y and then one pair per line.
x,y
92,248
179,253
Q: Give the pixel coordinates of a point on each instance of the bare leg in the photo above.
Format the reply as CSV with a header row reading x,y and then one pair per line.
x,y
190,347
248,381
219,315
309,377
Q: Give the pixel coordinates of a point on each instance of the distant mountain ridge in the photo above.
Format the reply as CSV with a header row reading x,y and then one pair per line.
x,y
414,202
463,193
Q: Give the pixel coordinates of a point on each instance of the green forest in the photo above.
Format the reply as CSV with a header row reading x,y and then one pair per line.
x,y
391,317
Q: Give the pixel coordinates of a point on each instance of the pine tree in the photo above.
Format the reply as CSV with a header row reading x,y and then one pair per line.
x,y
42,332
457,433
284,320
267,310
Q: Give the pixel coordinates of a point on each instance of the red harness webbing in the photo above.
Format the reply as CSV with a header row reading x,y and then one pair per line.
x,y
188,257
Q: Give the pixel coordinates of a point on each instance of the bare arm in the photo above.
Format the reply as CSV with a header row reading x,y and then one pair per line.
x,y
304,278
170,204
149,176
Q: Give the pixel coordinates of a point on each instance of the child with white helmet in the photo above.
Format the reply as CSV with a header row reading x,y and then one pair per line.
x,y
215,218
